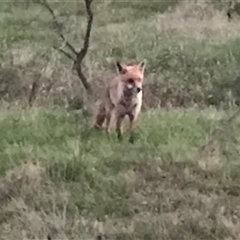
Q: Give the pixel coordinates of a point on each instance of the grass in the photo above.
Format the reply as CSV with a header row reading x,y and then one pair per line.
x,y
59,173
62,179
201,60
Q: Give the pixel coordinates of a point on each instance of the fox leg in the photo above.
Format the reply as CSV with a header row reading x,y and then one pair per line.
x,y
101,115
118,127
133,121
108,119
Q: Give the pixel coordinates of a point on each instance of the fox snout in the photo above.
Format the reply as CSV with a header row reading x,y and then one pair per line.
x,y
133,88
129,86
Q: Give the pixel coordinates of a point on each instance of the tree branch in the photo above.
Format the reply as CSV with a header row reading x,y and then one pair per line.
x,y
50,10
68,55
83,51
79,56
34,90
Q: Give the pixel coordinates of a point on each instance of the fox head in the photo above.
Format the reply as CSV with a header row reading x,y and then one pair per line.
x,y
132,76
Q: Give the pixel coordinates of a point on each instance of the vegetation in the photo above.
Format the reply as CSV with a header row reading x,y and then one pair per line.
x,y
60,179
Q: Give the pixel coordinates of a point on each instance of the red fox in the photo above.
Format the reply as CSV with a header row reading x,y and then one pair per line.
x,y
122,96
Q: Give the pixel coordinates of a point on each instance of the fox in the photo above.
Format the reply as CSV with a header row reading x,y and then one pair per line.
x,y
122,96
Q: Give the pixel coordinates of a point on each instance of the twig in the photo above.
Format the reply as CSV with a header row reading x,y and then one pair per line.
x,y
68,55
34,90
79,56
83,51
47,6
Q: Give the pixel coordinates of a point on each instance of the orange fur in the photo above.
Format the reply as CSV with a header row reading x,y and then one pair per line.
x,y
122,96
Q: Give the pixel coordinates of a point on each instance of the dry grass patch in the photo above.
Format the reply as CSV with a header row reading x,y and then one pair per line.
x,y
199,21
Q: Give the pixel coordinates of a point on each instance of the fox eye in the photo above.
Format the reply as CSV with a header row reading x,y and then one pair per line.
x,y
130,80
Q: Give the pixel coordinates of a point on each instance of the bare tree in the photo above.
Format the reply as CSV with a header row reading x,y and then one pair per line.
x,y
76,56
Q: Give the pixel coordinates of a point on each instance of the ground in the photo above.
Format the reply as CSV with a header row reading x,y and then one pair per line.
x,y
64,180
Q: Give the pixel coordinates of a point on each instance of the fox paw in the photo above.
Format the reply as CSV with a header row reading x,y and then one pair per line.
x,y
131,139
98,127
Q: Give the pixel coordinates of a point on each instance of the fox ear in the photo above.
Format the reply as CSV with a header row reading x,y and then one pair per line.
x,y
120,68
141,66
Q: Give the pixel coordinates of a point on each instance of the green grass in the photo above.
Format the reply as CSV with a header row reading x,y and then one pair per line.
x,y
109,181
42,134
61,178
202,62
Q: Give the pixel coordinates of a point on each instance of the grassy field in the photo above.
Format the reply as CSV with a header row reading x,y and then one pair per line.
x,y
74,183
60,178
